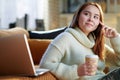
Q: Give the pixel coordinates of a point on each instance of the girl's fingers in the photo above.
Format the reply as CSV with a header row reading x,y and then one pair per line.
x,y
90,69
101,23
108,31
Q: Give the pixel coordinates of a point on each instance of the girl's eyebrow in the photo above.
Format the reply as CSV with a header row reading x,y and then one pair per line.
x,y
90,12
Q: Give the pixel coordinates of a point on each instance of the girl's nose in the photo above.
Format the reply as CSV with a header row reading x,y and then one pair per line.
x,y
90,18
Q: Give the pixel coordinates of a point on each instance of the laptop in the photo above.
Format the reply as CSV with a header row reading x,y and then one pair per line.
x,y
16,58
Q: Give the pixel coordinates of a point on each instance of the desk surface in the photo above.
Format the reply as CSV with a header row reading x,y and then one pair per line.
x,y
46,76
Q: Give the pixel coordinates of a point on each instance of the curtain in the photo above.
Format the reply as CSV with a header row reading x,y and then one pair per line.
x,y
14,11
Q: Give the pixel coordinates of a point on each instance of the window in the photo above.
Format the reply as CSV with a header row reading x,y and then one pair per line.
x,y
74,4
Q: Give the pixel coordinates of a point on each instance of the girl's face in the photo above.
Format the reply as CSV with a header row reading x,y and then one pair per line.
x,y
89,19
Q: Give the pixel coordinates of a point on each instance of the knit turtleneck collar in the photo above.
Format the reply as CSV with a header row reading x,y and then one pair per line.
x,y
81,37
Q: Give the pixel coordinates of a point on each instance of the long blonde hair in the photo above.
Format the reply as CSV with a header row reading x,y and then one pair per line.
x,y
99,38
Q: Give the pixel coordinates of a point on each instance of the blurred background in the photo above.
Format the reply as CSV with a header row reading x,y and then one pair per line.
x,y
43,15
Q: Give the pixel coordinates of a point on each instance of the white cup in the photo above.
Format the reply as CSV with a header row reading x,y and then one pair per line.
x,y
92,60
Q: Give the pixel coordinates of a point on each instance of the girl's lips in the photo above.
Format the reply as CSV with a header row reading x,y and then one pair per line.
x,y
89,24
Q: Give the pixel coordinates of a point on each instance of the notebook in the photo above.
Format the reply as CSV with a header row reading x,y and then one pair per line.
x,y
16,58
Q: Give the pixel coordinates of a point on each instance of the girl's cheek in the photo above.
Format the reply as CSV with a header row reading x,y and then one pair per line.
x,y
97,23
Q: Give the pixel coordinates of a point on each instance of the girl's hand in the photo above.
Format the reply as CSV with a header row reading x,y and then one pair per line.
x,y
108,31
86,69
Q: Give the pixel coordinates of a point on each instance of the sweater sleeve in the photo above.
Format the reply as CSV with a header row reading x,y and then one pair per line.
x,y
52,60
113,54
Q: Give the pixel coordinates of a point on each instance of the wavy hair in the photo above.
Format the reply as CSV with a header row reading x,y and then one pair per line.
x,y
98,33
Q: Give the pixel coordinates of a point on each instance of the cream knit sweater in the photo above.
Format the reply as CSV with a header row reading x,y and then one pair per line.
x,y
68,50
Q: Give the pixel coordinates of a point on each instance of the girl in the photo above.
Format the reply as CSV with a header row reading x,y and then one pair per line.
x,y
65,56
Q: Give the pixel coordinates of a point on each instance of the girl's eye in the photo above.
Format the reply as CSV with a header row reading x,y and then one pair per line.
x,y
87,14
96,17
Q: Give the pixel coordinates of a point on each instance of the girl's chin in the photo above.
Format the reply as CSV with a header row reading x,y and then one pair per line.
x,y
89,26
89,30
